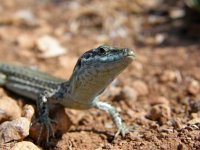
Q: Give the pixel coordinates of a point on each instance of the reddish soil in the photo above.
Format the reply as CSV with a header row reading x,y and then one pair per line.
x,y
158,94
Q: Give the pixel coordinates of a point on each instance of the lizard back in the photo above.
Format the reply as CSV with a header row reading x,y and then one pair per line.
x,y
27,81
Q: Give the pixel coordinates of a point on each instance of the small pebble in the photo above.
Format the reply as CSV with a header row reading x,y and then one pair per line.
x,y
168,75
28,112
138,69
129,93
49,47
193,87
141,87
160,113
26,41
24,16
177,13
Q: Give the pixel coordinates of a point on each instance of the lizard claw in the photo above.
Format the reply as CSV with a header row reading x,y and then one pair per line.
x,y
46,123
124,130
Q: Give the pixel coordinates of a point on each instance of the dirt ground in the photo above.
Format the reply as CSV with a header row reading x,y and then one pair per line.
x,y
158,94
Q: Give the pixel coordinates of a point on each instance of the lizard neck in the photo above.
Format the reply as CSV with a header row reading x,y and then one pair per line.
x,y
80,92
88,83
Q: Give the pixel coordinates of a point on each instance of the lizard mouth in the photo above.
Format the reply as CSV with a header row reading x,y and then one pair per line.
x,y
130,55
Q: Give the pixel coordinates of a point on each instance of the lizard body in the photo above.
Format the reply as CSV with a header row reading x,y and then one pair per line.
x,y
93,72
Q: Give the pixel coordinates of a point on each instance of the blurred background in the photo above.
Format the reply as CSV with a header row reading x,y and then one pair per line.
x,y
159,91
81,24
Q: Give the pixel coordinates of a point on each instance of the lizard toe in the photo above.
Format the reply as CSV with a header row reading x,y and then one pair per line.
x,y
124,130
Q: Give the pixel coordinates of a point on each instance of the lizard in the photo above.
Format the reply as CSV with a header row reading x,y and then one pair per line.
x,y
93,72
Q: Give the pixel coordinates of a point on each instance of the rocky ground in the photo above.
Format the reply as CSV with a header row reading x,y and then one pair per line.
x,y
158,94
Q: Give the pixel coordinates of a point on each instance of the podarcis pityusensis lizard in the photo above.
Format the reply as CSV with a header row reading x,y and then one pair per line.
x,y
93,72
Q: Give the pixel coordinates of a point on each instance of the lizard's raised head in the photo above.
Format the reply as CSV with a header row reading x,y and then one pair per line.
x,y
104,56
96,68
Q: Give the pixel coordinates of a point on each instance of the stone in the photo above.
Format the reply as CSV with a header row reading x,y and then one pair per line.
x,y
25,145
14,130
193,87
160,113
6,113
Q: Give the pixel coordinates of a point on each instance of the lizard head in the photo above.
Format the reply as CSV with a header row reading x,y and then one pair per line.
x,y
96,68
104,58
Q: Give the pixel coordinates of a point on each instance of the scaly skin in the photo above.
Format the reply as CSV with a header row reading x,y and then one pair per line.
x,y
93,72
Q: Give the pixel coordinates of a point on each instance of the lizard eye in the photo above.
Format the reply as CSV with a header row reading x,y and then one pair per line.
x,y
102,50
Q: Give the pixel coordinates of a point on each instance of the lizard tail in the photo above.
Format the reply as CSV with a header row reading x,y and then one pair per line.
x,y
2,79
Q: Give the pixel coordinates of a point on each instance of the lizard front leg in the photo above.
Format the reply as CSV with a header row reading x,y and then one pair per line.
x,y
43,115
114,115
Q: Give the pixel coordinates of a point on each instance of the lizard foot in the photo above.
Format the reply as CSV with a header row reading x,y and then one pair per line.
x,y
124,130
46,123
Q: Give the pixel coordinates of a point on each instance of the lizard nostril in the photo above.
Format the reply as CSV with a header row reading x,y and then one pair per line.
x,y
87,55
126,50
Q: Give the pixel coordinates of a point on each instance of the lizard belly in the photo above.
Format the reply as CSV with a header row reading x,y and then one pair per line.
x,y
70,102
